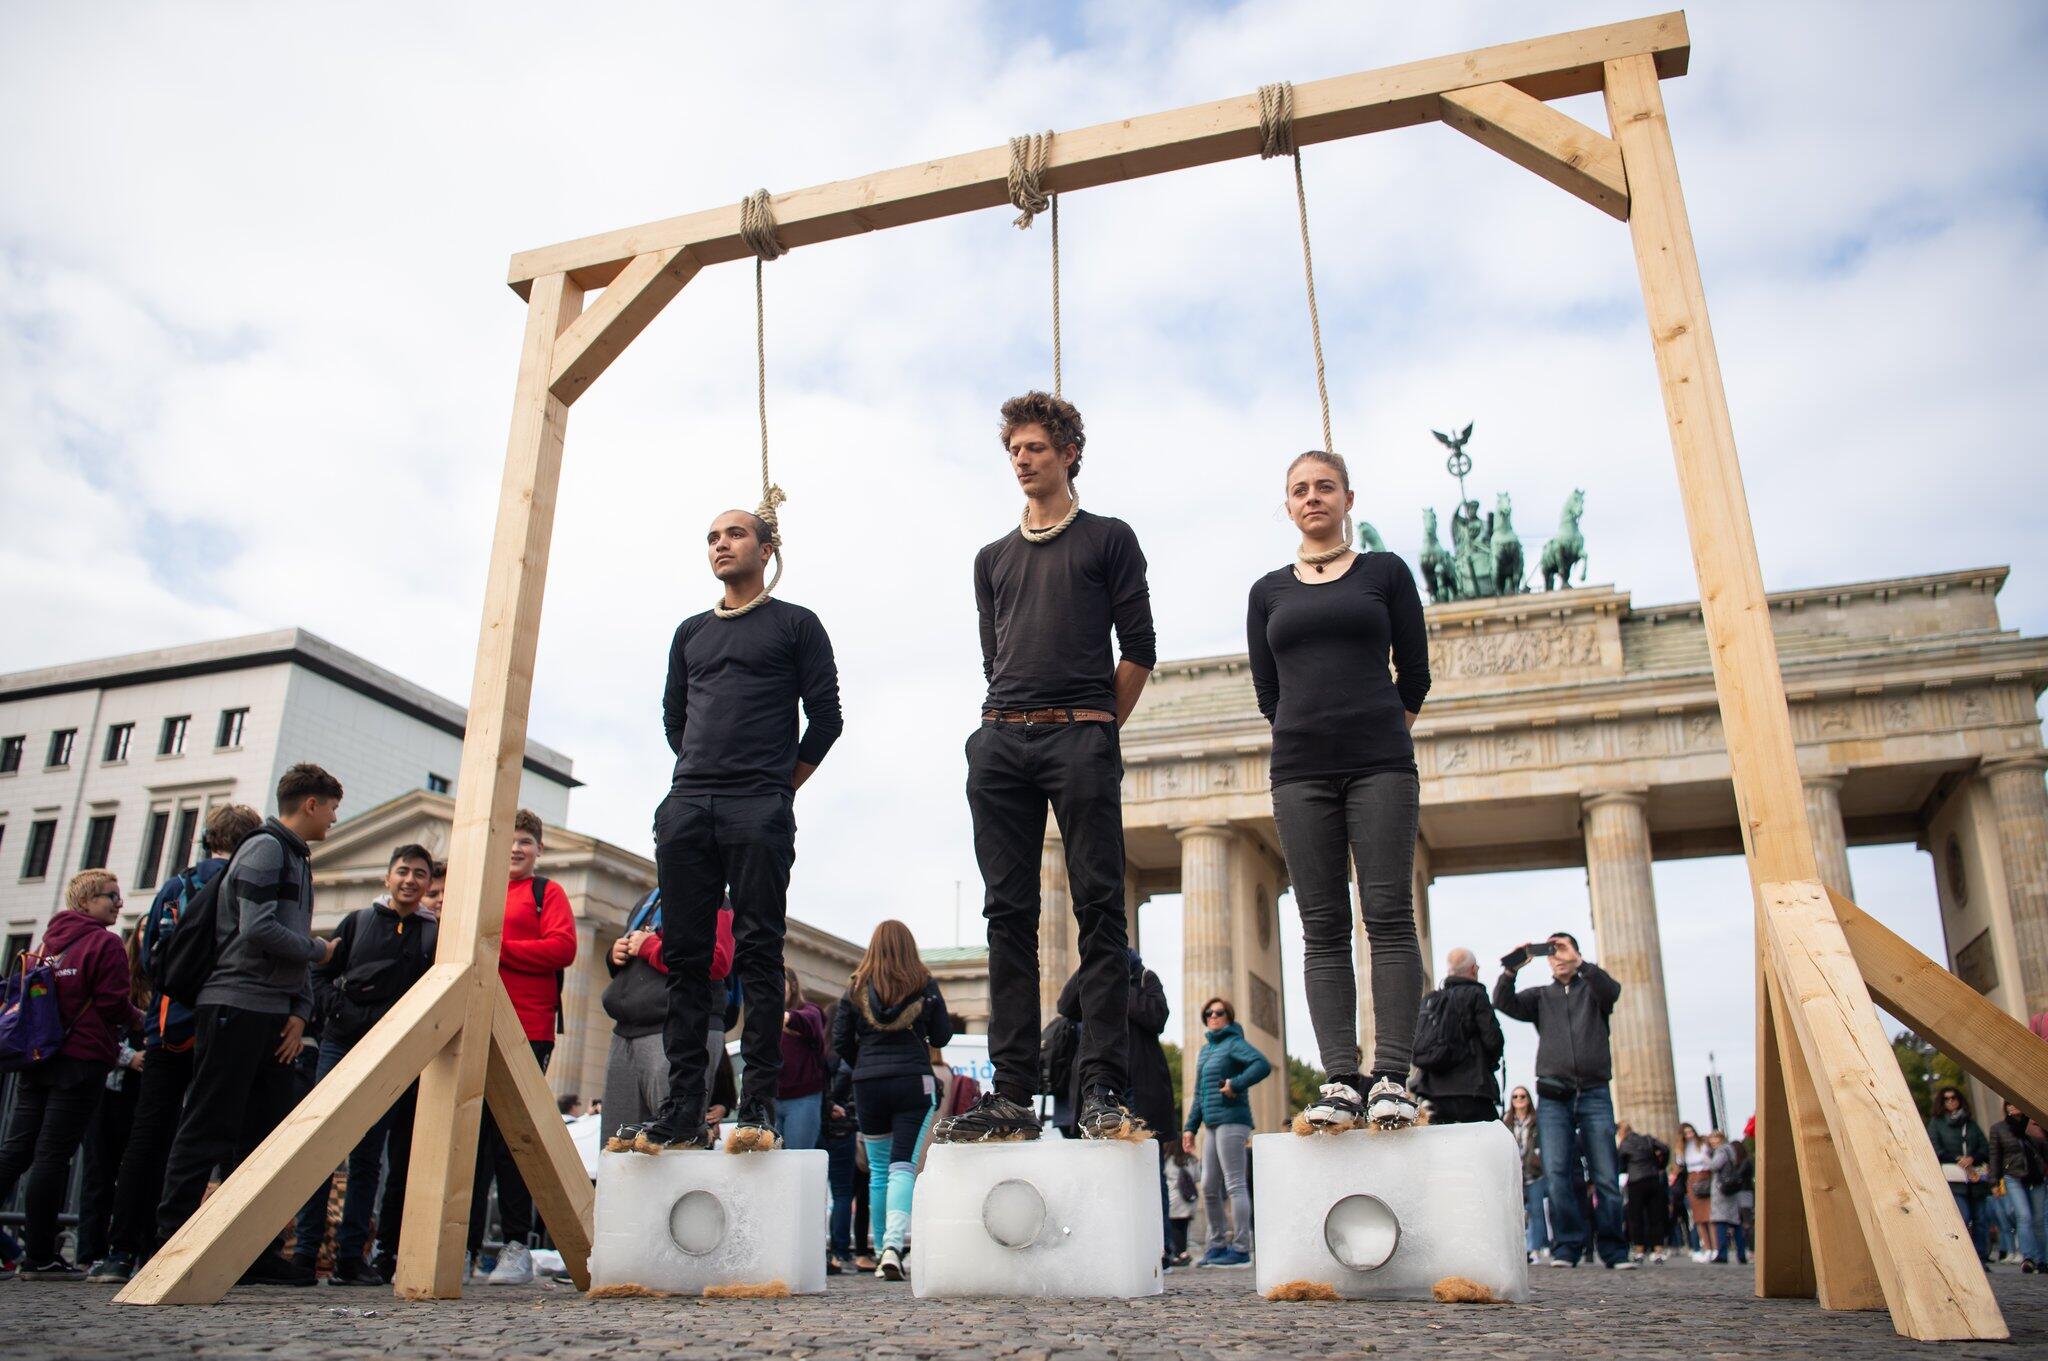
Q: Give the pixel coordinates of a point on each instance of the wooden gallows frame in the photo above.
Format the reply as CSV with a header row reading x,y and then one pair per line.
x,y
1852,1208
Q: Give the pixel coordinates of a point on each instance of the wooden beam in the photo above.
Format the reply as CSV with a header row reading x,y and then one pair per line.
x,y
1990,1045
616,319
1780,1247
1324,110
1923,1256
207,1256
437,1193
531,1123
1538,138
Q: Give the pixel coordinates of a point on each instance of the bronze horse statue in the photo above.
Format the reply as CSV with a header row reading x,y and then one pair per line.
x,y
1507,550
1568,549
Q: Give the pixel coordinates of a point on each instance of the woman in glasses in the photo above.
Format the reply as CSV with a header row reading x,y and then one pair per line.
x,y
1521,1122
1964,1153
1229,1066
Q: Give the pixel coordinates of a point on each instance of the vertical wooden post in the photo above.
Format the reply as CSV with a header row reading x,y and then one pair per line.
x,y
430,1257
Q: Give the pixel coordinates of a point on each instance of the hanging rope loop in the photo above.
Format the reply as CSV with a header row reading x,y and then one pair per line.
x,y
757,229
1028,155
1276,138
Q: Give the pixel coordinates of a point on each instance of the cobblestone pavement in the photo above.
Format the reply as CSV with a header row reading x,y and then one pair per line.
x,y
1675,1309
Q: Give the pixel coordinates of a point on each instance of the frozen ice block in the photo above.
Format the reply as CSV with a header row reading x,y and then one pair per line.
x,y
1388,1214
682,1221
1073,1218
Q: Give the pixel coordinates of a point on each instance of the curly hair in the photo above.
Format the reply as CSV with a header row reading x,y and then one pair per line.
x,y
1061,421
528,821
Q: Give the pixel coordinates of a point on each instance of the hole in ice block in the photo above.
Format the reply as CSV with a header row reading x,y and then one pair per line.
x,y
1013,1213
696,1223
1361,1232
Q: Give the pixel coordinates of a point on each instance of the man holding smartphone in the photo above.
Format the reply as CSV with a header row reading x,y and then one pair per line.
x,y
1574,1110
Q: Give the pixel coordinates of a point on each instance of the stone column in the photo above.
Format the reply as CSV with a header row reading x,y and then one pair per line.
x,y
1205,932
1055,925
1625,923
1830,841
2020,803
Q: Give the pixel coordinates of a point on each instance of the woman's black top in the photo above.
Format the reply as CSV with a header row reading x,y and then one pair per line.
x,y
1319,658
890,1039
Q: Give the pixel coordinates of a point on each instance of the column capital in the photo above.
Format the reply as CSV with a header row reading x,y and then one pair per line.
x,y
1602,798
1195,831
2035,761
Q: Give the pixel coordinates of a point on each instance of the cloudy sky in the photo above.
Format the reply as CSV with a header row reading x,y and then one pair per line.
x,y
256,356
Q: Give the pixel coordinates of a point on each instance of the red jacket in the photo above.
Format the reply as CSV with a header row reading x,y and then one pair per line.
x,y
532,953
721,948
92,986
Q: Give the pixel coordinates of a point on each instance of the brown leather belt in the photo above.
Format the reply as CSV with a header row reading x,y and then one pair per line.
x,y
1047,716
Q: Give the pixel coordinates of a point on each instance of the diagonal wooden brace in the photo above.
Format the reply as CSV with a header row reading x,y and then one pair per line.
x,y
607,326
1539,138
524,1106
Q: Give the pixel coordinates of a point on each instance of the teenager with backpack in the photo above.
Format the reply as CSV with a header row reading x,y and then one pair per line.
x,y
1458,1045
167,1049
85,971
380,951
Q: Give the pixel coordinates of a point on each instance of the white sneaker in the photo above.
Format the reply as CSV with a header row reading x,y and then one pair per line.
x,y
890,1268
1625,1265
1337,1107
515,1266
1391,1105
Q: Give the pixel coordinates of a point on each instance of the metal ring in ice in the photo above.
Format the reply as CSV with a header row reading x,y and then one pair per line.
x,y
696,1223
1361,1232
1013,1212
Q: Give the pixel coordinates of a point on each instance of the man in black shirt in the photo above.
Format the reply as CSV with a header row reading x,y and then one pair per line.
x,y
736,674
1050,593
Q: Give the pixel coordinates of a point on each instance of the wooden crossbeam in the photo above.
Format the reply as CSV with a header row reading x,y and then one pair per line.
x,y
628,303
205,1257
1919,1247
1324,110
1989,1045
1539,138
524,1106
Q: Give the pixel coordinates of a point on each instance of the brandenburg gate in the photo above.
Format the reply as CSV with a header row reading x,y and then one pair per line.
x,y
1571,728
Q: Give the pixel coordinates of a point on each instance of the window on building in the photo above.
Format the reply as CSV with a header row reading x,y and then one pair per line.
x,y
41,837
181,846
99,840
118,738
230,732
17,945
173,740
437,784
61,742
10,754
151,865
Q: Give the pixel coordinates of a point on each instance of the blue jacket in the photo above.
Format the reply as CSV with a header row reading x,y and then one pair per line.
x,y
169,1023
1226,1056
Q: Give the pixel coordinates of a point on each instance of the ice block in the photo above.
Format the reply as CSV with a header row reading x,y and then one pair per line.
x,y
682,1221
1387,1214
1071,1218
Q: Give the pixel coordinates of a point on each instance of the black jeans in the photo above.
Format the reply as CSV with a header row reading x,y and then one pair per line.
x,y
398,1162
53,1103
494,1159
1013,771
704,846
239,1092
1643,1207
106,1140
1462,1110
140,1186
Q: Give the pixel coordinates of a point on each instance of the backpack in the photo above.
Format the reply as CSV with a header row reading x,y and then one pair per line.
x,y
182,964
1728,1181
31,1027
1443,1032
1058,1043
540,897
163,920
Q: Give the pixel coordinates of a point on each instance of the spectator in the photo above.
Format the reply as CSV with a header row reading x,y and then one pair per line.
x,y
1724,1165
636,1074
1521,1122
538,944
800,1089
430,906
1458,1044
1644,1158
2018,1160
1227,1069
840,1141
1573,1066
1678,1210
167,1044
1150,1095
1699,1189
106,1139
1964,1153
1181,1192
884,1028
251,1019
54,1098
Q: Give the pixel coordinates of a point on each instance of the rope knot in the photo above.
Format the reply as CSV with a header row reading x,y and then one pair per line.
x,y
757,227
1276,120
1027,164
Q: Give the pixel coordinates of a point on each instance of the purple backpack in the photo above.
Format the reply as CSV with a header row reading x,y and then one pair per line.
x,y
31,1029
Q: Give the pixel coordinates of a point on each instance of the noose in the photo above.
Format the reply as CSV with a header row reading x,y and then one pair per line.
x,y
1028,155
757,229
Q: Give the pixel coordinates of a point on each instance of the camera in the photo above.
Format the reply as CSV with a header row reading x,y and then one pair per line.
x,y
1516,958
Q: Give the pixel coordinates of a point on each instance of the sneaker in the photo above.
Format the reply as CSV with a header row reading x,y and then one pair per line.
x,y
1337,1107
1104,1116
355,1271
113,1269
890,1268
753,1132
1232,1257
1391,1105
660,1135
515,1266
271,1269
2027,1266
1623,1265
1209,1258
56,1269
995,1117
1562,1262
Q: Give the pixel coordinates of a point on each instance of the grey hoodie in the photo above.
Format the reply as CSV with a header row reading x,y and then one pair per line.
x,y
265,927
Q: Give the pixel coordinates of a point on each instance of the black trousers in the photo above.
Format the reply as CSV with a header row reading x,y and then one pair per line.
x,y
397,1164
704,846
1014,770
140,1185
1643,1206
494,1160
1462,1110
239,1092
106,1140
53,1103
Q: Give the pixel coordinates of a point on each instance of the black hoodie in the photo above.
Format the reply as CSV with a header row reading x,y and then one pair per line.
x,y
378,954
893,1040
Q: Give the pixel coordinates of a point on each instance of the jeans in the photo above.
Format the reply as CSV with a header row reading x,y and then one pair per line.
x,y
892,1113
1972,1200
840,1172
1013,771
1225,1155
106,1141
1325,827
359,1201
2029,1206
1581,1125
797,1120
1535,1195
494,1160
239,1092
54,1101
140,1184
705,845
635,1082
397,1163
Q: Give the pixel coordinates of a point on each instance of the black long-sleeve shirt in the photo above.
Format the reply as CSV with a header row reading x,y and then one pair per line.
x,y
730,706
1048,609
1319,668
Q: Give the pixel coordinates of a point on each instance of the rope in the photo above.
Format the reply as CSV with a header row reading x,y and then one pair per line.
x,y
1276,138
1048,535
757,229
1028,155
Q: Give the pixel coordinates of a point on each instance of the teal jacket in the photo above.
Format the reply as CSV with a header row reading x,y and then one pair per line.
x,y
1226,1056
